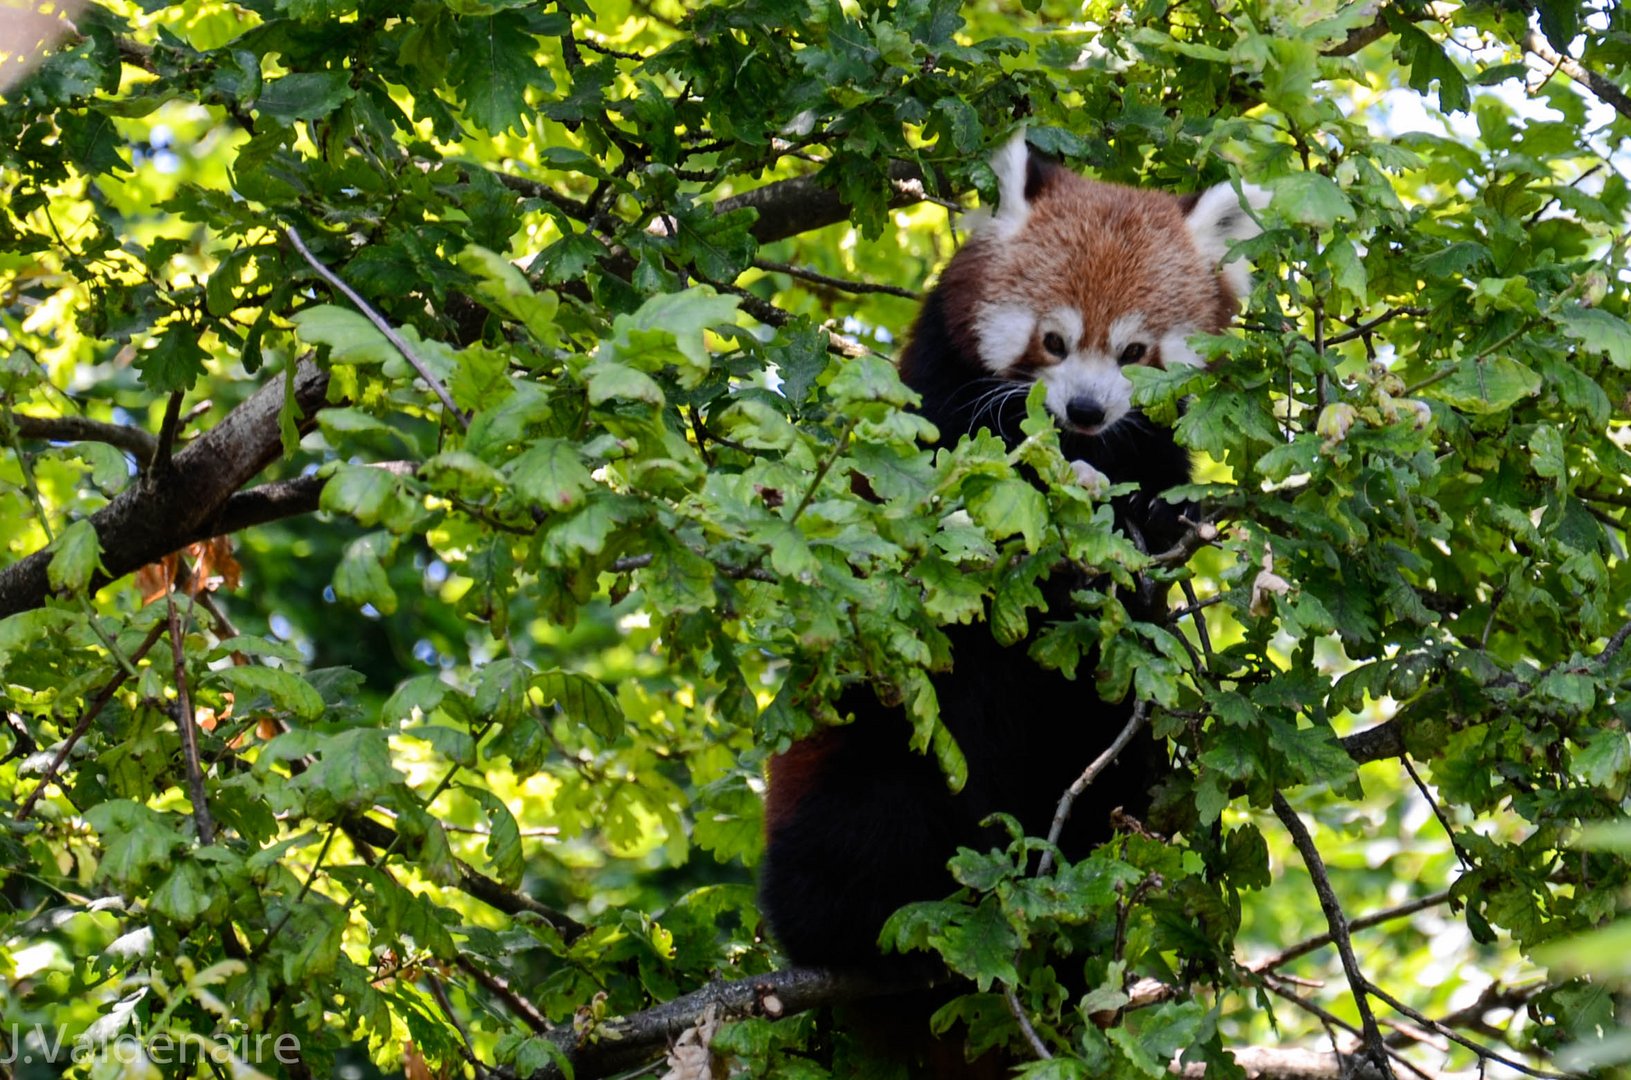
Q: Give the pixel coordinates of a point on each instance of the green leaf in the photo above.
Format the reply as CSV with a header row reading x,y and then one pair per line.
x,y
668,328
1311,199
175,362
308,95
361,579
494,64
1605,760
134,838
1006,507
184,895
1547,450
980,946
76,556
286,690
503,837
1598,331
551,475
1429,63
501,690
1487,386
505,288
351,338
584,701
609,380
870,378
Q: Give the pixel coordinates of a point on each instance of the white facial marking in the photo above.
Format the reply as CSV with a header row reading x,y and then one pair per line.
x,y
1064,321
1127,330
1004,332
1089,374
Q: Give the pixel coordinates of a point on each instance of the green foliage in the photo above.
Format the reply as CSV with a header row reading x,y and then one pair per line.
x,y
487,735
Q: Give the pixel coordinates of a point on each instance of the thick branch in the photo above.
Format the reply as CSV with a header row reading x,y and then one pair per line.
x,y
1359,37
1375,743
789,207
274,502
141,525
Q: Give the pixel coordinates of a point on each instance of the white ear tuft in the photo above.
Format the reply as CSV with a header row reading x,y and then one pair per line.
x,y
1219,220
1010,163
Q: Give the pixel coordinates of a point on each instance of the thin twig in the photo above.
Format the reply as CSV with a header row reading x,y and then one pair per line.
x,y
1271,983
1375,1048
1483,1052
1364,922
857,287
823,469
396,339
1494,996
1062,813
1605,88
1553,201
187,723
93,710
1195,608
771,315
1199,535
468,1048
1438,812
1612,648
1361,329
606,50
1189,609
500,988
1037,1045
305,888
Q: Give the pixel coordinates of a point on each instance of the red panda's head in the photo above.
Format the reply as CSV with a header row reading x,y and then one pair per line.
x,y
1071,280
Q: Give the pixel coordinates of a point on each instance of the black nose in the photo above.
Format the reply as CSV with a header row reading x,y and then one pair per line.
x,y
1084,412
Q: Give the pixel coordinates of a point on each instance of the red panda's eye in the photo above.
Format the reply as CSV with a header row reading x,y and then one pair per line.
x,y
1054,344
1132,354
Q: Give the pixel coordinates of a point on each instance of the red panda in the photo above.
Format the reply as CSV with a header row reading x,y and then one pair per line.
x,y
1069,282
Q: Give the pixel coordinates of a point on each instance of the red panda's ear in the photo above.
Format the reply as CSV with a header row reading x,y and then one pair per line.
x,y
1018,179
1218,219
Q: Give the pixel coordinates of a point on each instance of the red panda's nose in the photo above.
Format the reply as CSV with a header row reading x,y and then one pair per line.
x,y
1084,412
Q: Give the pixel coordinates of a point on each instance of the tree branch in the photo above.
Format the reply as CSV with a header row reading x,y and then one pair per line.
x,y
86,719
132,440
1375,743
397,341
471,882
186,721
1484,1053
1375,1048
629,1041
1062,813
789,207
1365,922
844,284
1607,91
139,525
